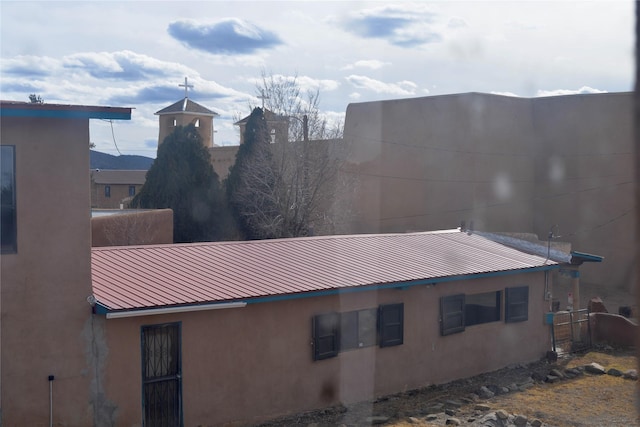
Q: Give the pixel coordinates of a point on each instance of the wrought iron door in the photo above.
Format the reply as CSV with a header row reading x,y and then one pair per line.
x,y
161,376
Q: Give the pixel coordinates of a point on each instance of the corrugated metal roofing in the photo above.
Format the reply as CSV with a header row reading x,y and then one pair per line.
x,y
187,106
112,176
129,277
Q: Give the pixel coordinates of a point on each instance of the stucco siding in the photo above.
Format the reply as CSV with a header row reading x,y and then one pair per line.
x,y
46,283
249,364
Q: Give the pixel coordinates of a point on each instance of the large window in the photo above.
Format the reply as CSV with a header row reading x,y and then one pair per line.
x,y
8,226
336,332
516,305
459,311
482,308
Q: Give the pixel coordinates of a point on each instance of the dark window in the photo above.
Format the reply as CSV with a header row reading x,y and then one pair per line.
x,y
482,308
452,311
107,191
132,190
391,321
325,335
8,226
358,329
516,304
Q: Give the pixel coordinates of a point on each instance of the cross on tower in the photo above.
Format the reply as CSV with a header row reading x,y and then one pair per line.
x,y
263,97
186,87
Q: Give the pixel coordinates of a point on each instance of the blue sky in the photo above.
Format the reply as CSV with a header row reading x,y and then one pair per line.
x,y
136,53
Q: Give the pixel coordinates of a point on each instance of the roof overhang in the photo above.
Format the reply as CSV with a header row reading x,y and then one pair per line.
x,y
116,314
577,258
59,111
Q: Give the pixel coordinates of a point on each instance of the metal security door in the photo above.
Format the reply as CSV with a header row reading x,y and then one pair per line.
x,y
161,376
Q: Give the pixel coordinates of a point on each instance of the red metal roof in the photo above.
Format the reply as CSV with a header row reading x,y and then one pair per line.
x,y
135,277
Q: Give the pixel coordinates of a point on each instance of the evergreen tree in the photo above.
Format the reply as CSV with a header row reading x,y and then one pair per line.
x,y
182,178
252,185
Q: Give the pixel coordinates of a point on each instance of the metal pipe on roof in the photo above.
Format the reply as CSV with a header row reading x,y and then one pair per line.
x,y
170,310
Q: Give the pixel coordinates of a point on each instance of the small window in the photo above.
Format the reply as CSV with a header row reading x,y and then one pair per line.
x,y
452,311
132,190
325,336
273,136
482,308
173,122
391,321
358,329
516,305
107,191
196,123
8,226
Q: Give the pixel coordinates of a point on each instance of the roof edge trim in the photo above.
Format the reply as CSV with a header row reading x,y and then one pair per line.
x,y
119,114
168,310
398,285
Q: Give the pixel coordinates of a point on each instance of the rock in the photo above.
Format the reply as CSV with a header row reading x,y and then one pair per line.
x,y
453,422
536,423
453,403
485,393
596,306
489,419
631,374
556,373
513,387
473,397
594,368
502,414
614,372
551,379
482,407
504,390
377,420
414,420
520,420
435,408
525,386
431,417
450,412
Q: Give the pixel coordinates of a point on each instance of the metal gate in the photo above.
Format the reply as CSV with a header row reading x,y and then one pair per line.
x,y
161,376
571,331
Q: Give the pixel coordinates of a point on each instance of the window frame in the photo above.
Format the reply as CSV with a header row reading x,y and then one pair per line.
x,y
515,298
8,209
352,333
496,315
391,324
325,327
452,310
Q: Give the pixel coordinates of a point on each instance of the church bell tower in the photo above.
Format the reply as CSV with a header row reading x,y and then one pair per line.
x,y
184,112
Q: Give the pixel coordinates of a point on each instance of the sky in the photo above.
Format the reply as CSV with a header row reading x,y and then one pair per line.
x,y
137,53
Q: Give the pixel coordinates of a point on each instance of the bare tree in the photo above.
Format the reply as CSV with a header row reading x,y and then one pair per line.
x,y
283,95
286,189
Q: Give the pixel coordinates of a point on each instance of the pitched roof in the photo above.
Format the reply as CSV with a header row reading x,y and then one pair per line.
x,y
187,106
130,278
126,177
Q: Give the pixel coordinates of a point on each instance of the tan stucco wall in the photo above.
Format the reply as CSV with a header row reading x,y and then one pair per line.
x,y
138,228
505,163
46,321
248,364
166,126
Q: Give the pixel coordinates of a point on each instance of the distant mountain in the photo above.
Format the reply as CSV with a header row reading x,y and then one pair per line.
x,y
107,161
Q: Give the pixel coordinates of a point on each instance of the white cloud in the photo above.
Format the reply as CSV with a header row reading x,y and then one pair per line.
x,y
402,88
372,64
355,96
558,92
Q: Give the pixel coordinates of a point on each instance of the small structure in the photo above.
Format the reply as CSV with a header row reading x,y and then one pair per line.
x,y
309,322
113,189
277,125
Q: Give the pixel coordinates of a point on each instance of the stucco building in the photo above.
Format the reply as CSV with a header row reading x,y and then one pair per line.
x,y
113,189
560,165
46,329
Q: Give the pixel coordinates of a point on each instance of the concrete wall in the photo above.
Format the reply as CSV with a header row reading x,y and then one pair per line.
x,y
46,321
252,363
505,163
